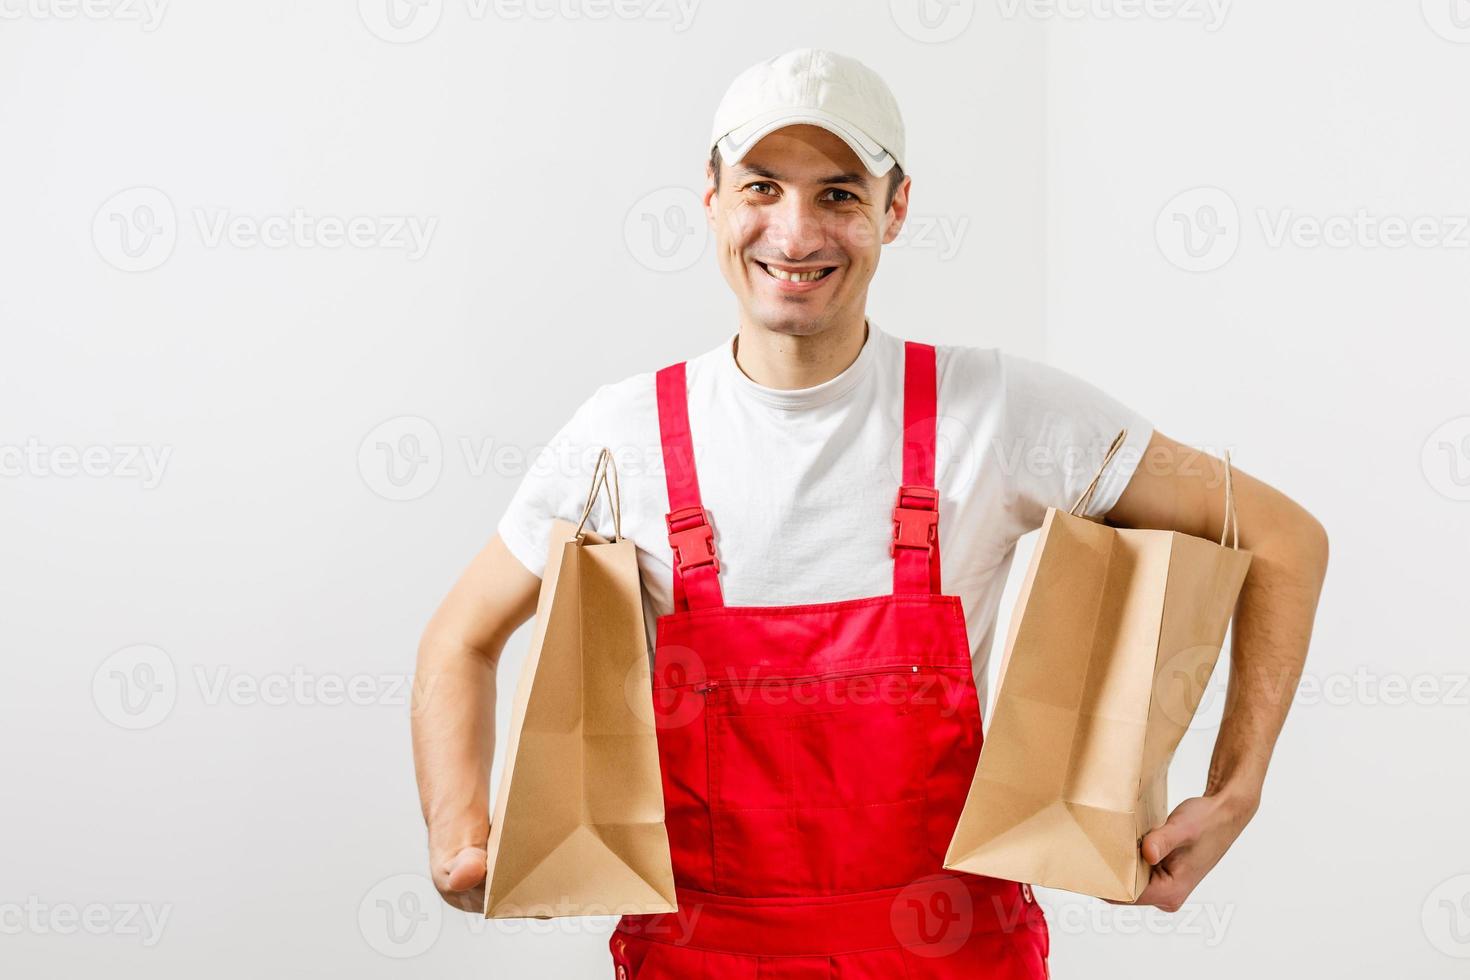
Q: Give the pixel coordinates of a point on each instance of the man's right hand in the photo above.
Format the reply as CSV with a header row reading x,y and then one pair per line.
x,y
460,879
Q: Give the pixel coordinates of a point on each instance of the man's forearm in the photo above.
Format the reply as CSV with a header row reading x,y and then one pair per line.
x,y
454,714
454,740
1272,629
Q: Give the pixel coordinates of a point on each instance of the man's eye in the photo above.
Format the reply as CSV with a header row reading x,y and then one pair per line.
x,y
843,200
759,183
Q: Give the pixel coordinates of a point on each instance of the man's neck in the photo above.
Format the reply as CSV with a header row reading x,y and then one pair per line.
x,y
788,362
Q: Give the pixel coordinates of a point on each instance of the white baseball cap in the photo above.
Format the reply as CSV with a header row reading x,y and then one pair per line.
x,y
821,88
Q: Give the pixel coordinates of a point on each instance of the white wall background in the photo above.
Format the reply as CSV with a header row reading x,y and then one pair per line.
x,y
214,579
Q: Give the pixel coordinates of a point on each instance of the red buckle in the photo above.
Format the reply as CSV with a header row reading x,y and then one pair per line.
x,y
692,539
915,519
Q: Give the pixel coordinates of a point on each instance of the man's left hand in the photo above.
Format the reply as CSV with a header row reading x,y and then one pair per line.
x,y
1188,844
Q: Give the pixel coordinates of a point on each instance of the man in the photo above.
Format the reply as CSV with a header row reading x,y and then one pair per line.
x,y
758,482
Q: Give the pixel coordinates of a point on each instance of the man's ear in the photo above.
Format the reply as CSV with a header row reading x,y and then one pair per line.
x,y
898,211
710,193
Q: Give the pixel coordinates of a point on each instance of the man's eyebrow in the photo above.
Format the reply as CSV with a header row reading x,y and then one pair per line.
x,y
758,171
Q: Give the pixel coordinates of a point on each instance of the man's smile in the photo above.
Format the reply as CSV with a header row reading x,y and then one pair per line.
x,y
795,278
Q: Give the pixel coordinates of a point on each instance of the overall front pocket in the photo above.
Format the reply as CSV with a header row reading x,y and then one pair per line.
x,y
816,784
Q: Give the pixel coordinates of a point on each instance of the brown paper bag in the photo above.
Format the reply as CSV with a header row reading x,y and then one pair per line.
x,y
578,827
1110,646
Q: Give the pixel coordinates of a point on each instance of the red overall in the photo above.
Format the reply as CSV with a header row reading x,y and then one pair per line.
x,y
815,760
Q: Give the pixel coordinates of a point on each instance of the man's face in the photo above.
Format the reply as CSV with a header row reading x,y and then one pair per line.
x,y
800,201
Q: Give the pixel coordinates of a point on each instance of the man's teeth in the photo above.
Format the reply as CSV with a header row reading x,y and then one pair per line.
x,y
796,276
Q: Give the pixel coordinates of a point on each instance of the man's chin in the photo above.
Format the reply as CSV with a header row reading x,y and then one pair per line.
x,y
792,323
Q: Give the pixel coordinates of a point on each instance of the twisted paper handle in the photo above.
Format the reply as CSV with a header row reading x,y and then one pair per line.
x,y
1086,497
605,465
1232,521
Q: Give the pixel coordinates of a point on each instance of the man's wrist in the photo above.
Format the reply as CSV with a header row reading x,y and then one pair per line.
x,y
1239,798
449,834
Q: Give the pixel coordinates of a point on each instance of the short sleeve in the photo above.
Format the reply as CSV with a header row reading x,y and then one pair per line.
x,y
555,485
1058,428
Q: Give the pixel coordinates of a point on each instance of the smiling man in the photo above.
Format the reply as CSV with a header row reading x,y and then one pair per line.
x,y
809,472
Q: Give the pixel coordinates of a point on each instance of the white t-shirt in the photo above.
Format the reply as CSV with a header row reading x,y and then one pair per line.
x,y
800,484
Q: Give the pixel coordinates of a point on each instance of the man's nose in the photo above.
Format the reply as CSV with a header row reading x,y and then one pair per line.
x,y
797,228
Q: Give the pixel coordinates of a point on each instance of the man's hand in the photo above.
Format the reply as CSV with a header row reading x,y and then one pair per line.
x,y
1188,844
460,878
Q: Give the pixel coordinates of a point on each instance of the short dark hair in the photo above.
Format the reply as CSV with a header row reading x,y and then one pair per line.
x,y
895,175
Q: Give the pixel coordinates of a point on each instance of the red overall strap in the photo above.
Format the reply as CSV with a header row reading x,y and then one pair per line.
x,y
692,540
915,545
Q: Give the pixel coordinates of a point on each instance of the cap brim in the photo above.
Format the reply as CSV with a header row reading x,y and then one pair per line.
x,y
736,143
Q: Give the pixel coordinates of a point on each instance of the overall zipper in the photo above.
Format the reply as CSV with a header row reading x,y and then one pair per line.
x,y
708,686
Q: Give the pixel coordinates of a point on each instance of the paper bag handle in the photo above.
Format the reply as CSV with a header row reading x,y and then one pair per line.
x,y
1086,497
605,465
1232,521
